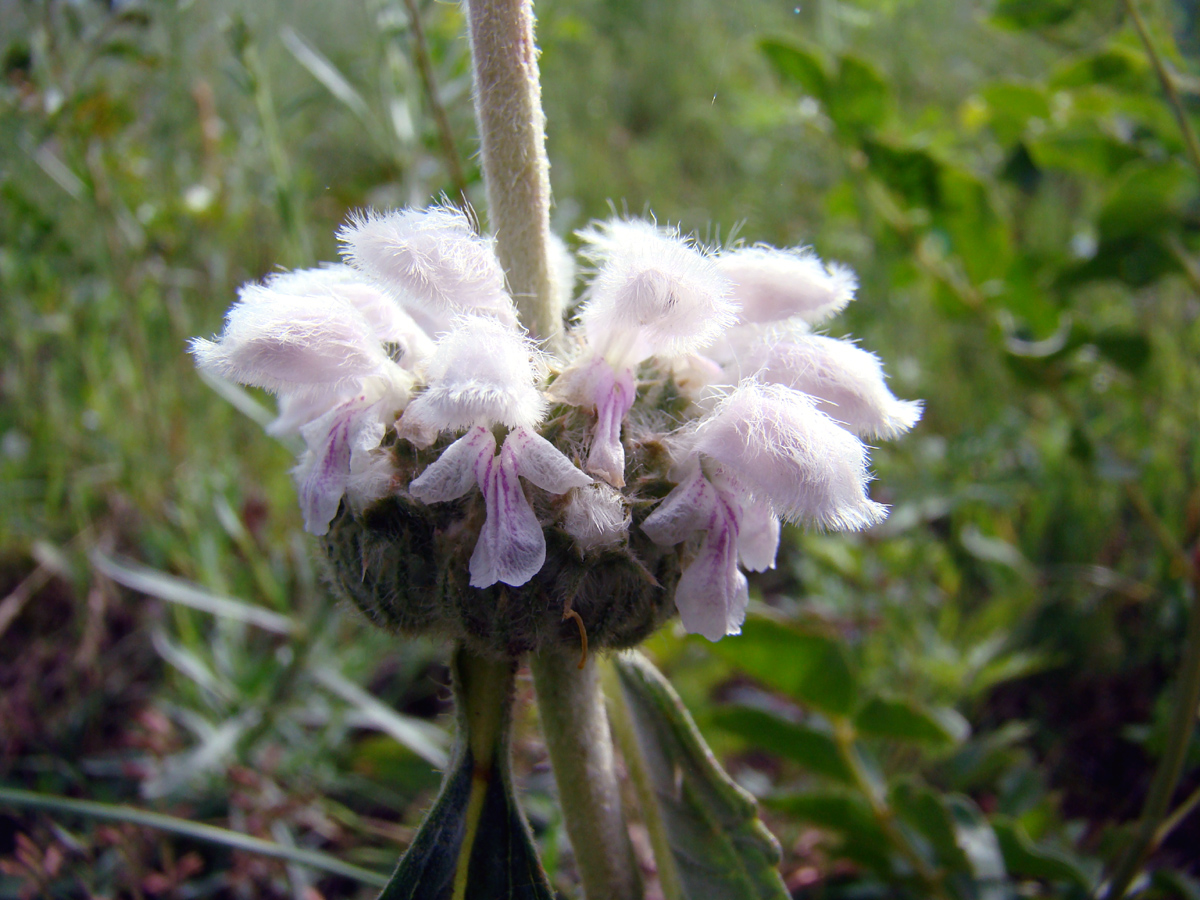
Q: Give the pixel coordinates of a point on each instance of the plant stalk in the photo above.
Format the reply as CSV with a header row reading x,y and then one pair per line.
x,y
1170,767
575,724
512,130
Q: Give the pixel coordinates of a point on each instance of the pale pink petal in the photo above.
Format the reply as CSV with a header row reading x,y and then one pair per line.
x,y
654,293
758,536
712,593
789,453
543,464
296,344
511,547
613,395
482,373
454,473
432,261
688,508
772,284
392,325
847,381
324,471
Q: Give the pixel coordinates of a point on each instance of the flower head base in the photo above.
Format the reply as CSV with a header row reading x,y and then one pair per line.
x,y
444,473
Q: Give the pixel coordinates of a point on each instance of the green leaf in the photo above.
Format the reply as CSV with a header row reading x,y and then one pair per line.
x,y
1081,151
979,844
475,821
911,173
1117,65
1149,197
1138,261
813,749
926,812
847,815
1026,859
1128,349
860,99
903,720
805,665
1011,106
1026,14
798,66
718,846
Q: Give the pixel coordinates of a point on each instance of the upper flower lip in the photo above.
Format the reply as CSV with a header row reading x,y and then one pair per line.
x,y
432,261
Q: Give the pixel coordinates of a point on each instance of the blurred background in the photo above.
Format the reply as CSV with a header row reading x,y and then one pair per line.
x,y
1013,188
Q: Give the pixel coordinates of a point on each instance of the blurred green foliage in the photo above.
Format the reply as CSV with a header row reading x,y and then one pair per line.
x,y
965,702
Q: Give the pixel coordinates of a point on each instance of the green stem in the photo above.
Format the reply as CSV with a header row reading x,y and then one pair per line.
x,y
574,722
429,81
1170,767
844,738
669,879
195,830
1167,79
512,131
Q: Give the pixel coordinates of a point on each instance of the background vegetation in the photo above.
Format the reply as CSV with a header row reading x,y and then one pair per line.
x,y
968,701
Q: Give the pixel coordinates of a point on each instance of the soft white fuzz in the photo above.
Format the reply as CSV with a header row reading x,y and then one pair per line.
x,y
481,373
653,293
846,381
432,260
790,454
772,284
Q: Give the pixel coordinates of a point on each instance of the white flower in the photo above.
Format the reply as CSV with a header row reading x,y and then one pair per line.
x,y
772,284
786,452
846,381
306,341
764,453
484,374
434,263
653,295
481,373
511,547
391,324
297,344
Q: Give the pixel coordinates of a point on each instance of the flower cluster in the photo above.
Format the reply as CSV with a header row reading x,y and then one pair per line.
x,y
708,355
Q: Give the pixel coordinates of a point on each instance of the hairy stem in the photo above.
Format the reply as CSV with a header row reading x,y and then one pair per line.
x,y
508,106
571,705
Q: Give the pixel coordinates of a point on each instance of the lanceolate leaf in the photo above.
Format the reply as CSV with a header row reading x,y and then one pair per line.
x,y
474,843
806,665
812,748
719,848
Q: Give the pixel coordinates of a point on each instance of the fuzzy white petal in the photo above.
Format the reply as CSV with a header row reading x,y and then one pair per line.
x,y
712,593
758,536
453,473
543,464
789,453
596,517
612,394
688,508
392,325
846,380
333,440
511,547
654,293
481,373
431,259
772,284
293,343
